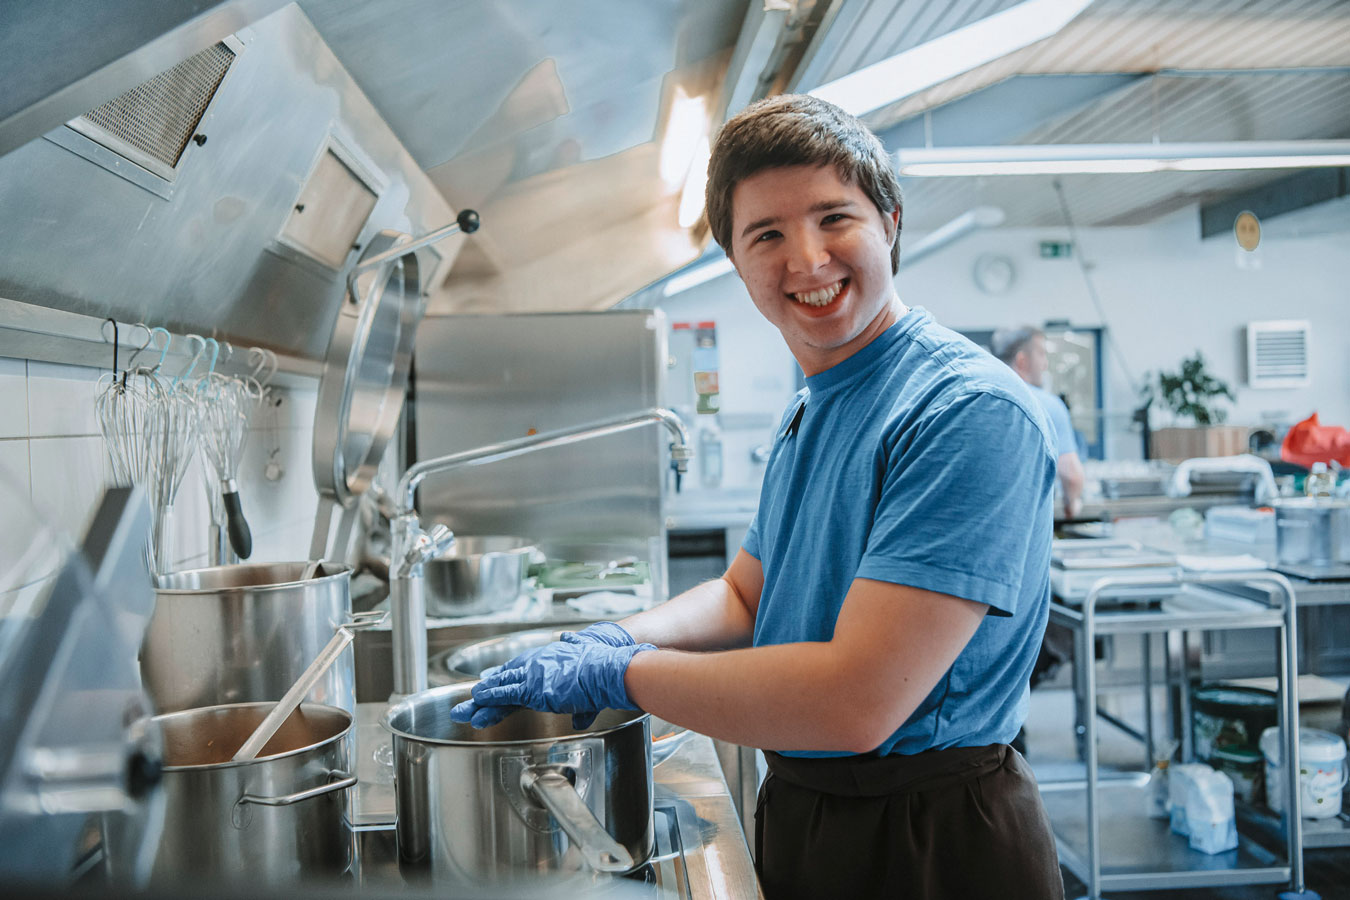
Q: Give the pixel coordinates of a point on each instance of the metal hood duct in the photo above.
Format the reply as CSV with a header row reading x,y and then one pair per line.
x,y
570,127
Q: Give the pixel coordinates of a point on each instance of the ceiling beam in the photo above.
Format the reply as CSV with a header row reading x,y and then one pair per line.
x,y
1283,195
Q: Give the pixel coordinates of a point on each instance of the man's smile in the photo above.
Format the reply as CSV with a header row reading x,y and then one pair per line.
x,y
823,296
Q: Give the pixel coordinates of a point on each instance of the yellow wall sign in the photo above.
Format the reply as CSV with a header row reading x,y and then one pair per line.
x,y
1247,230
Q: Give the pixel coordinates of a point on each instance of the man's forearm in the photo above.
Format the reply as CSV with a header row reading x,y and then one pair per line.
x,y
710,616
785,697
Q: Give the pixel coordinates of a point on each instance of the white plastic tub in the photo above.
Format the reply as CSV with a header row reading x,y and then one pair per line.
x,y
1322,772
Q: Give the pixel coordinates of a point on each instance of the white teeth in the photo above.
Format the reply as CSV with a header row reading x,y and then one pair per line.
x,y
821,296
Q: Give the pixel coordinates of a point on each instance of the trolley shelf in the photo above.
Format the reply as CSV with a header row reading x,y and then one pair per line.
x,y
1144,853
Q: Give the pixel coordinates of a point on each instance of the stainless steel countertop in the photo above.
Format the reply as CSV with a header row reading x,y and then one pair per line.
x,y
718,868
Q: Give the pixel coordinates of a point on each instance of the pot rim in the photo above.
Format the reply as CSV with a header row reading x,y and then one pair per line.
x,y
232,763
343,572
388,726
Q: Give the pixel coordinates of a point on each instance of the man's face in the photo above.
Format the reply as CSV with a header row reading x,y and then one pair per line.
x,y
1036,361
815,255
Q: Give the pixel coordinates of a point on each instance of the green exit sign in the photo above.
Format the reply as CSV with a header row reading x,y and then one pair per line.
x,y
1056,249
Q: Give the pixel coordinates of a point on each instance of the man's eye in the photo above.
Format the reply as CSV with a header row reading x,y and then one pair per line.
x,y
832,218
759,238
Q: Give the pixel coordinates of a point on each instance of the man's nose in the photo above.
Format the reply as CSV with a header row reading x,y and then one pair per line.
x,y
807,252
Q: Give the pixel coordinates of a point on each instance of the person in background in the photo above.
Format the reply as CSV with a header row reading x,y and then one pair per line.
x,y
1024,350
876,631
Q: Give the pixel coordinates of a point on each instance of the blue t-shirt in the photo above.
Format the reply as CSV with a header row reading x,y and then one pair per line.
x,y
920,460
1058,414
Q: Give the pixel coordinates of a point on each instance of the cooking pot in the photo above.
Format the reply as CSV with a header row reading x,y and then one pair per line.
x,y
477,575
1311,530
530,796
275,819
231,634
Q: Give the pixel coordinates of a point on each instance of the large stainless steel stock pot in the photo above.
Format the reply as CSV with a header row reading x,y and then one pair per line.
x,y
231,634
529,797
276,819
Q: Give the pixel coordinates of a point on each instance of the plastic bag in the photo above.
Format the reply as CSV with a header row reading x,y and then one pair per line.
x,y
1310,441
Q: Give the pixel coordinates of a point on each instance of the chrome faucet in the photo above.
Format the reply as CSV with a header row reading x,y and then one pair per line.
x,y
412,547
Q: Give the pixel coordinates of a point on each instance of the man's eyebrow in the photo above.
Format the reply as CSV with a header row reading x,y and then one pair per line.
x,y
822,206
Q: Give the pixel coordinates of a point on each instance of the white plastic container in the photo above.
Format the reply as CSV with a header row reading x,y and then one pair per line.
x,y
1322,772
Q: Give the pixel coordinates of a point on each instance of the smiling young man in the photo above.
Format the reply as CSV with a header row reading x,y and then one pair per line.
x,y
876,631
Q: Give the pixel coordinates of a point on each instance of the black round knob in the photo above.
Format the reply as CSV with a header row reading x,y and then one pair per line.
x,y
143,773
468,221
199,139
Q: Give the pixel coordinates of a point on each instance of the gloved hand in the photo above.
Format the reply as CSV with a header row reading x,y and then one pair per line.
x,y
578,678
608,633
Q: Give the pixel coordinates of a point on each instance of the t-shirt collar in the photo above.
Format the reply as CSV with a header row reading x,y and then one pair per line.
x,y
865,358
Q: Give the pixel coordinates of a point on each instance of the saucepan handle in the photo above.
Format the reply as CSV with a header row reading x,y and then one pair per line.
x,y
552,789
344,781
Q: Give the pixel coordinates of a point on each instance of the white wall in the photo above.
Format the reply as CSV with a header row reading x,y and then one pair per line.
x,y
51,447
1164,293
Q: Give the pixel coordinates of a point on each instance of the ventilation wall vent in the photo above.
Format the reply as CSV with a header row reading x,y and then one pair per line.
x,y
152,123
1278,354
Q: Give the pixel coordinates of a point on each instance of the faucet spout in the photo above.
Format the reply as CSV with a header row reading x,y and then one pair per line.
x,y
680,448
411,547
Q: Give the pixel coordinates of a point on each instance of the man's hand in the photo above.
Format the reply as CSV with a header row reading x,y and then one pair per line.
x,y
578,678
608,633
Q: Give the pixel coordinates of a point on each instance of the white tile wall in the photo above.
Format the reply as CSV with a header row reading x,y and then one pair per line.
x,y
68,477
61,400
13,398
51,446
14,465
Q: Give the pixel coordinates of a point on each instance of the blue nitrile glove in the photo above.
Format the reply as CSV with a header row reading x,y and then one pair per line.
x,y
609,633
581,679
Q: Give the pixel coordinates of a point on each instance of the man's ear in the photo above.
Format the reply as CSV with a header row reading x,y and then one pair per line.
x,y
892,220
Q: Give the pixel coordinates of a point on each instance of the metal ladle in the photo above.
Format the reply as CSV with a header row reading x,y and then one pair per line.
x,y
272,722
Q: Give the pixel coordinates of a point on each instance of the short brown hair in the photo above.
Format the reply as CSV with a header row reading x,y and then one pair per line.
x,y
798,130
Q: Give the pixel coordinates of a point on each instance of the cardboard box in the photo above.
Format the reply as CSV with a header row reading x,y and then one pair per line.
x,y
1176,444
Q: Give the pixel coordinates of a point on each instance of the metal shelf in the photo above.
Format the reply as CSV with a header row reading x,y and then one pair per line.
x,y
1317,833
1144,853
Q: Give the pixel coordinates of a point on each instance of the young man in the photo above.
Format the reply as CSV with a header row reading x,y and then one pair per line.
x,y
894,584
1023,349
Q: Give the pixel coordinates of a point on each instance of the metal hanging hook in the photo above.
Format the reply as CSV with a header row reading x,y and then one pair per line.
x,y
115,342
196,357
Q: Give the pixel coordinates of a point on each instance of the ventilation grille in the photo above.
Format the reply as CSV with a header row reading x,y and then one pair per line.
x,y
152,123
1277,354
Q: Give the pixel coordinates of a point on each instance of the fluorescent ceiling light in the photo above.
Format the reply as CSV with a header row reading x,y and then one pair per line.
x,y
952,54
685,126
1118,159
696,276
691,199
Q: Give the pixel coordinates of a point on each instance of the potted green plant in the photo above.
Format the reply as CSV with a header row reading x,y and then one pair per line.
x,y
1191,393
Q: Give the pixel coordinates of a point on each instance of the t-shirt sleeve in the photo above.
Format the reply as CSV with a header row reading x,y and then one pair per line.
x,y
750,543
1063,425
965,498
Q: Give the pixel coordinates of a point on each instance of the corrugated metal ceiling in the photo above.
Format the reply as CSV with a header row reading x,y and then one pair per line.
x,y
1199,108
1273,70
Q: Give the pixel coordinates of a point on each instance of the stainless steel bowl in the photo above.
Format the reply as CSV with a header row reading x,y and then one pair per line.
x,y
480,574
469,661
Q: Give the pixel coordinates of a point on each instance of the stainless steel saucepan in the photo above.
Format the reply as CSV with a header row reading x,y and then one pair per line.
x,y
528,797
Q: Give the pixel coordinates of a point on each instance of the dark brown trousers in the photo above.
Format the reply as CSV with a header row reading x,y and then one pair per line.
x,y
959,824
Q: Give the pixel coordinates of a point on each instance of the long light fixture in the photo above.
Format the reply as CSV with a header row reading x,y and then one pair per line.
x,y
1120,159
696,276
950,55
